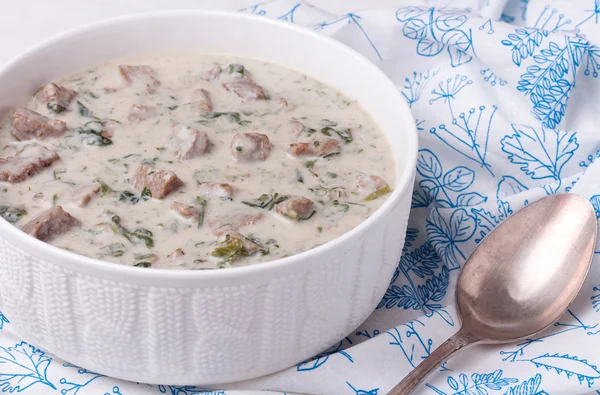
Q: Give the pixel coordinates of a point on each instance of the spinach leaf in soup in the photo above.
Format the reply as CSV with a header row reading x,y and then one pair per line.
x,y
139,235
12,214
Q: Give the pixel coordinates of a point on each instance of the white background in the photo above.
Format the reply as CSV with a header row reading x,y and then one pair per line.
x,y
23,23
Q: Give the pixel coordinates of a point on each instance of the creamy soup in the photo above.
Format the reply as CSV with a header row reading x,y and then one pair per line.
x,y
190,161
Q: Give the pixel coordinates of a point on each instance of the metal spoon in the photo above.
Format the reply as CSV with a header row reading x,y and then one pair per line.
x,y
521,278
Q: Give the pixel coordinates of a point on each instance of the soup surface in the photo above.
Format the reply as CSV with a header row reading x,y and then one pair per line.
x,y
190,161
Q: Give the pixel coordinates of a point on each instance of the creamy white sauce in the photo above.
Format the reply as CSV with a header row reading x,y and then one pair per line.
x,y
331,183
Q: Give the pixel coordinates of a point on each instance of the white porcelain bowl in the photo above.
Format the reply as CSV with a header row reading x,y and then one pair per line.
x,y
205,327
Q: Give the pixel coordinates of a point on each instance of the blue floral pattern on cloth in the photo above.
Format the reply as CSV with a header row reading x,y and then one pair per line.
x,y
503,93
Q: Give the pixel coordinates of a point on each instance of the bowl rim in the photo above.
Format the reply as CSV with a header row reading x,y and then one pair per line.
x,y
56,254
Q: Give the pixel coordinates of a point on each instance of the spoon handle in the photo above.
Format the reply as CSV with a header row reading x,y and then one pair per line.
x,y
456,343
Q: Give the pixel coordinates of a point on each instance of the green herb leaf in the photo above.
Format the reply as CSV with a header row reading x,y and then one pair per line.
x,y
233,117
140,235
12,214
299,177
91,132
173,107
266,201
83,110
310,163
327,131
146,194
329,155
143,264
116,250
92,137
149,162
327,123
57,108
307,217
144,256
201,204
343,206
90,94
230,249
331,193
345,135
129,197
378,193
57,173
237,69
54,199
104,188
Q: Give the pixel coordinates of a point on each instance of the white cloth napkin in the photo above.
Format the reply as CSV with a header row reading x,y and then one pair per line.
x,y
506,96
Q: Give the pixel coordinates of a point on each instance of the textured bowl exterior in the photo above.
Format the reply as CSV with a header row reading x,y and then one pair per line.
x,y
202,334
184,328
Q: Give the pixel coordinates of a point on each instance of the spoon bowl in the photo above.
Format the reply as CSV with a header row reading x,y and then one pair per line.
x,y
520,279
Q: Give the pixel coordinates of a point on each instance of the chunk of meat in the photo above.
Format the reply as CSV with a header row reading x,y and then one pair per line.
x,y
297,208
249,147
314,148
84,195
56,97
108,129
159,182
139,112
370,187
26,163
233,222
230,236
27,125
176,255
245,88
221,190
212,74
50,223
200,101
140,75
186,212
188,143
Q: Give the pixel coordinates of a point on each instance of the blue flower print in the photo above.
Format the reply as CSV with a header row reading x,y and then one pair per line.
x,y
540,154
23,366
438,29
73,387
447,92
570,365
468,135
413,87
411,342
354,20
491,77
477,384
185,390
596,298
3,320
549,82
523,43
322,358
574,323
444,188
528,387
363,392
445,236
